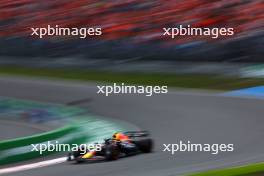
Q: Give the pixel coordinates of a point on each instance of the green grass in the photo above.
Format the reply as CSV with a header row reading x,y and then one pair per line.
x,y
172,80
250,170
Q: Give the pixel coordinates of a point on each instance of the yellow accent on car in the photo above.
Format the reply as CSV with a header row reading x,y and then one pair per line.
x,y
87,155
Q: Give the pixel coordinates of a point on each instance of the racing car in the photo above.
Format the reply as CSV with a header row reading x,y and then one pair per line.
x,y
120,145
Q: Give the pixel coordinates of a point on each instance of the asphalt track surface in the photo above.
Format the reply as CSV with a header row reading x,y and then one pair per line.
x,y
199,117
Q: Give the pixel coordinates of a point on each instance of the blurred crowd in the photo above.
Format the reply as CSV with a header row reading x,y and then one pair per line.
x,y
136,21
139,19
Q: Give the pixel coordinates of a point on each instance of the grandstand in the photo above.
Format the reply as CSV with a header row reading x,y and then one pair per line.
x,y
131,22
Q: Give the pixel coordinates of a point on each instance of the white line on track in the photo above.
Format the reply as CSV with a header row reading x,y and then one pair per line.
x,y
32,166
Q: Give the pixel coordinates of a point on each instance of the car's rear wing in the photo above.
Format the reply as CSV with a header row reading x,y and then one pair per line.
x,y
137,133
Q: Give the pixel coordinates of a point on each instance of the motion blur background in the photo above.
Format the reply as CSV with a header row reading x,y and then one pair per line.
x,y
132,29
133,50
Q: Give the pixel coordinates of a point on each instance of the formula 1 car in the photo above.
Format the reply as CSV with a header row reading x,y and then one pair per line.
x,y
112,149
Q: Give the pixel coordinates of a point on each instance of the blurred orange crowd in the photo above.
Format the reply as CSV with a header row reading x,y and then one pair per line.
x,y
135,20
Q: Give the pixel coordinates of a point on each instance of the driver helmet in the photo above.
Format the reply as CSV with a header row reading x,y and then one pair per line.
x,y
118,136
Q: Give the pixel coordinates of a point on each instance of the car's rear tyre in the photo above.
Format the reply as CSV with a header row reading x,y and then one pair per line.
x,y
145,145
